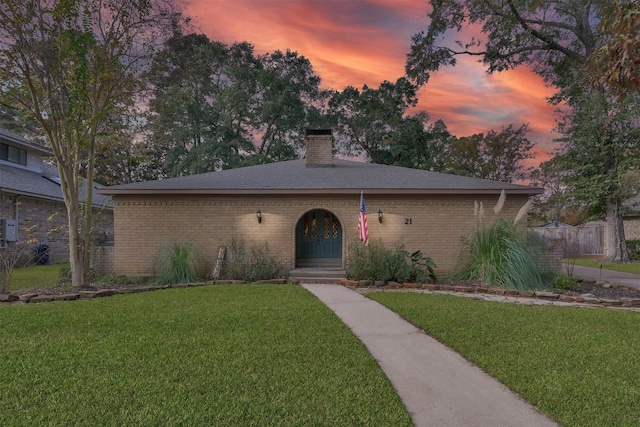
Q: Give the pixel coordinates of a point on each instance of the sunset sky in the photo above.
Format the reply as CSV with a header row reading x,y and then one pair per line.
x,y
357,42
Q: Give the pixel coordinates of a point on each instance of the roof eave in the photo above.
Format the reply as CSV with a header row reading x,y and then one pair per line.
x,y
47,197
530,191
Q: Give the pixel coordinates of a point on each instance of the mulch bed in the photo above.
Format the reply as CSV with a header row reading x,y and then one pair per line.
x,y
606,290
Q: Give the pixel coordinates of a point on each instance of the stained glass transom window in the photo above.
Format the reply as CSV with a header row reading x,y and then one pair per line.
x,y
314,226
327,225
305,226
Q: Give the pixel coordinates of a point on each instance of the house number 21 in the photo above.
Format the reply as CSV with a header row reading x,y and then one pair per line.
x,y
408,221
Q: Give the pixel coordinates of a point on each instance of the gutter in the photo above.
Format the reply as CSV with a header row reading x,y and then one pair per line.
x,y
43,196
531,191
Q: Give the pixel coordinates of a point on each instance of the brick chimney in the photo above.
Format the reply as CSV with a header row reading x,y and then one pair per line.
x,y
319,146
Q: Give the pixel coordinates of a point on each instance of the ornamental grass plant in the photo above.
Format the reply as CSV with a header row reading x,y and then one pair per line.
x,y
177,264
499,254
503,254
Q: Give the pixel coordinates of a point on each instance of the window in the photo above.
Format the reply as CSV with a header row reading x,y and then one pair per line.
x,y
13,154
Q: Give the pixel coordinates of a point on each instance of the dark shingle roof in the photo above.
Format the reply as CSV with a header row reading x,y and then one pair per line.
x,y
21,142
34,184
294,177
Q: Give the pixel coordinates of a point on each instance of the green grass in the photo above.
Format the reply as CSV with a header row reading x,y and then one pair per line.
x,y
229,355
36,276
579,365
629,267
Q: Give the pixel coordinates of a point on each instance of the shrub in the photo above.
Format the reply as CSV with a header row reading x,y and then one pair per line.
x,y
634,249
566,283
177,265
123,280
500,255
64,276
250,264
375,262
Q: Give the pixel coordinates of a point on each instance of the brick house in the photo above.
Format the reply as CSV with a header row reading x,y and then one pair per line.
x,y
632,218
306,210
31,198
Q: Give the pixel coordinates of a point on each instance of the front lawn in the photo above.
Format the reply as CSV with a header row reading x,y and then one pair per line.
x,y
219,355
36,276
579,365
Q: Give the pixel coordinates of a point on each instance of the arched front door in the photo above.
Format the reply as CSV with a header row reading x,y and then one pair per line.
x,y
318,239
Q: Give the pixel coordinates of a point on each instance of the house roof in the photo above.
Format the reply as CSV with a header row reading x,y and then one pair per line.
x,y
19,141
343,176
34,184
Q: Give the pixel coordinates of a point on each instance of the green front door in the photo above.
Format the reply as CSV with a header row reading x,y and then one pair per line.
x,y
318,239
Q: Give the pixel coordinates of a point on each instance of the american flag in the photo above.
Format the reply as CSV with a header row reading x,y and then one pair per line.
x,y
363,228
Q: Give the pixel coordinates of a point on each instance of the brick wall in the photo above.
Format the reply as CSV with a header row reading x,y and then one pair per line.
x,y
38,217
147,225
319,150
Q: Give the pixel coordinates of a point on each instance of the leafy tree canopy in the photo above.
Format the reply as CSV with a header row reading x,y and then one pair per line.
x,y
498,156
544,34
616,63
67,64
216,106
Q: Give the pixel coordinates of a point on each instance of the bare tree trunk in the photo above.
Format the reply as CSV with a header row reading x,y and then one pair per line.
x,y
76,261
87,225
616,245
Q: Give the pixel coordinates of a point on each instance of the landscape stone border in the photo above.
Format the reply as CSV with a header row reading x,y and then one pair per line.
x,y
496,294
363,286
48,296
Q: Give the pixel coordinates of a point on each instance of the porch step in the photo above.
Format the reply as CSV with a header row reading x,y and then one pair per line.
x,y
329,275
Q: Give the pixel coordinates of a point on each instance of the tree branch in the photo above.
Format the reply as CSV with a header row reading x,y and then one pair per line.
x,y
542,37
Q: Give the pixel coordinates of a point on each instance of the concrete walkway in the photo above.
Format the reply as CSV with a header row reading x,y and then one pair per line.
x,y
438,386
600,274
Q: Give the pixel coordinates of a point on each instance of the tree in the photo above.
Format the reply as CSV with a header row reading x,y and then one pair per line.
x,y
20,123
601,187
68,63
555,38
548,36
413,144
290,95
497,156
366,119
119,158
194,124
216,106
616,63
550,175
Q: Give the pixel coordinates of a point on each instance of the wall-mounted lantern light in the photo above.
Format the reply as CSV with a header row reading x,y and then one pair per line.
x,y
259,216
380,216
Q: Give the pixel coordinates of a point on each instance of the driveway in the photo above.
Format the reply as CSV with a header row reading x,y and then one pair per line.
x,y
600,274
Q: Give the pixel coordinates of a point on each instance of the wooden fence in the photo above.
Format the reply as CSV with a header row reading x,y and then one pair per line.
x,y
581,240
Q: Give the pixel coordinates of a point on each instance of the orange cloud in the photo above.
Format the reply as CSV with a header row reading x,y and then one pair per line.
x,y
352,43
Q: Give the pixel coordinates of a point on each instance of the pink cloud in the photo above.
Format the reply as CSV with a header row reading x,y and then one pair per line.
x,y
352,43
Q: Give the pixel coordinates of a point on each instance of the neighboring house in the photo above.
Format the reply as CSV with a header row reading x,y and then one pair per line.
x,y
306,210
31,203
632,218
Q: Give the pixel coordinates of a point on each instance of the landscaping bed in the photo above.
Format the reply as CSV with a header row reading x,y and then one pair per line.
x,y
590,292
